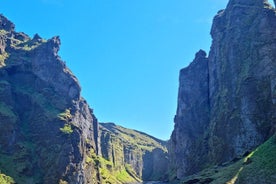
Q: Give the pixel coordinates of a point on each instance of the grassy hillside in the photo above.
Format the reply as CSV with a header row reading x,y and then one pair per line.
x,y
257,167
134,137
130,156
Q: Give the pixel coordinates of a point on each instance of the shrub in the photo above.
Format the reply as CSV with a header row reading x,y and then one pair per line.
x,y
67,129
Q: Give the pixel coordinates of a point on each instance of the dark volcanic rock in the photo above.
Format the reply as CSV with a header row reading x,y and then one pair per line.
x,y
47,129
48,132
5,24
192,117
226,102
155,165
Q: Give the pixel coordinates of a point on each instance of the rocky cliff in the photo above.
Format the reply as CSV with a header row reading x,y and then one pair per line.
x,y
46,127
226,101
142,156
48,132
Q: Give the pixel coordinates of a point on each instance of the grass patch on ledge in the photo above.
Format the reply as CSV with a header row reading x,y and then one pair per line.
x,y
4,179
65,116
3,57
67,129
109,173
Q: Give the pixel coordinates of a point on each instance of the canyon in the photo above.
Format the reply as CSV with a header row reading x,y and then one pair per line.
x,y
225,121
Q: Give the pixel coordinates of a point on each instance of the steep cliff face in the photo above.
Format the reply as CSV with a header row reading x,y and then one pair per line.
x,y
242,78
143,157
48,132
226,102
192,118
47,129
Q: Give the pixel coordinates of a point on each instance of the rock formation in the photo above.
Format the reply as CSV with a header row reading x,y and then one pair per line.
x,y
192,117
226,109
48,132
226,101
141,155
45,124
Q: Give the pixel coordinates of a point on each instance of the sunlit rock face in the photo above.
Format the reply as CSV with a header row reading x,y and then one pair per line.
x,y
226,101
47,128
49,134
126,148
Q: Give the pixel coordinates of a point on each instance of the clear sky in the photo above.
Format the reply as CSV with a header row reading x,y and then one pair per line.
x,y
126,53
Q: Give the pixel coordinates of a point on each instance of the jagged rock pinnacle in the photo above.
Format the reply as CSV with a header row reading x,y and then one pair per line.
x,y
6,24
201,54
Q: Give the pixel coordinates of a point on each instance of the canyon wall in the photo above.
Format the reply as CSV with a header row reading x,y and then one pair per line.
x,y
226,100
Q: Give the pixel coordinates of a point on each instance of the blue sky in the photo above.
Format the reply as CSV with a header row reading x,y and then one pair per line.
x,y
126,53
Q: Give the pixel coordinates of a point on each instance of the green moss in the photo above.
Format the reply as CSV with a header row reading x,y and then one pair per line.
x,y
117,177
63,182
3,32
16,164
46,99
124,177
65,116
258,167
109,173
262,165
88,159
30,44
67,129
121,140
3,57
4,179
135,138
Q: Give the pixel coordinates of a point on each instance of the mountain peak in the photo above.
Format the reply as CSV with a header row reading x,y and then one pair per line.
x,y
201,54
6,24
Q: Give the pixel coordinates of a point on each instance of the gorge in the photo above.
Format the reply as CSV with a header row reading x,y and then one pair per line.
x,y
224,125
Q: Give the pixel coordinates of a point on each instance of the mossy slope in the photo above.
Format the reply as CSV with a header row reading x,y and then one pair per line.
x,y
4,179
131,155
257,167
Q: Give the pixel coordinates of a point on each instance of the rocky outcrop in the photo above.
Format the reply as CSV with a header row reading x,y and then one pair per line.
x,y
226,102
142,156
47,128
192,118
48,132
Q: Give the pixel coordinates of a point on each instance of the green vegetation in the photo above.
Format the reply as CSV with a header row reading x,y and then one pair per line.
x,y
110,174
135,138
65,116
46,99
28,45
20,45
4,179
67,129
124,151
3,57
258,167
124,176
63,182
3,32
19,162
